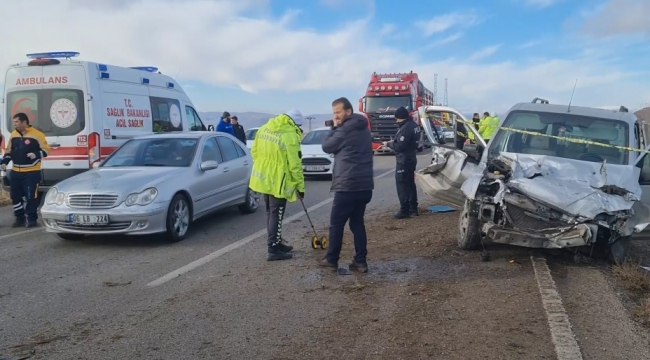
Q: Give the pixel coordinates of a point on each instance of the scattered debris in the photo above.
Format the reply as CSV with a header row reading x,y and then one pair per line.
x,y
114,284
441,209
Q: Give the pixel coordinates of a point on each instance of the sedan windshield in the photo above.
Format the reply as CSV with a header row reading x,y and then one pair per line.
x,y
315,137
563,135
250,134
153,152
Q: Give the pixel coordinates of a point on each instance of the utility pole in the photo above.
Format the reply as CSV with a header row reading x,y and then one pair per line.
x,y
435,89
446,103
310,118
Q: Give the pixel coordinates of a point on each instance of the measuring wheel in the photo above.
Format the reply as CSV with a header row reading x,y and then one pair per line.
x,y
323,242
315,243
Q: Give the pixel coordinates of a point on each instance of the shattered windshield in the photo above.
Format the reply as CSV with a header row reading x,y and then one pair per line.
x,y
563,135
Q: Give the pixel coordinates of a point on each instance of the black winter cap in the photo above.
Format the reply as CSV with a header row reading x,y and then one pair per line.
x,y
225,114
401,113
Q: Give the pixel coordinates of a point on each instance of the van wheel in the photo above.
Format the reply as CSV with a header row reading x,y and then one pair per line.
x,y
178,218
71,237
469,234
618,251
252,202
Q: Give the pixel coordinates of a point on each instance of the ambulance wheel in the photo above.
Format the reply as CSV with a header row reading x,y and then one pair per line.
x,y
618,251
70,237
179,216
469,227
315,243
323,242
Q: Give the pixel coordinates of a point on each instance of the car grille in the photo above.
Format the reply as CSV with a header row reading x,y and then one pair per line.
x,y
523,221
121,225
316,161
92,201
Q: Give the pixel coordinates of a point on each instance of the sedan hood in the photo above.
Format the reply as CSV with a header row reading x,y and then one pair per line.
x,y
118,179
313,150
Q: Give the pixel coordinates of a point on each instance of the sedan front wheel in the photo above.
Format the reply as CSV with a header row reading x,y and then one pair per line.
x,y
178,218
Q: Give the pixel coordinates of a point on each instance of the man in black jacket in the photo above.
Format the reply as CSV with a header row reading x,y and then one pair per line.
x,y
239,130
352,182
405,146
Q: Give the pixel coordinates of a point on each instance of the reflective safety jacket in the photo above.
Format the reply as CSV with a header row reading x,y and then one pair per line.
x,y
277,164
488,126
19,145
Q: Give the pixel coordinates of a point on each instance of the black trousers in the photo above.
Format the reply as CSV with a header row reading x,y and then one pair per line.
x,y
275,209
406,189
25,184
348,205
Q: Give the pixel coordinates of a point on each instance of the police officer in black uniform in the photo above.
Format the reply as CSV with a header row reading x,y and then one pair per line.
x,y
405,146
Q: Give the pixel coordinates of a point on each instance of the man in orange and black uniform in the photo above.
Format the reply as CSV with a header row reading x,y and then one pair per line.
x,y
26,147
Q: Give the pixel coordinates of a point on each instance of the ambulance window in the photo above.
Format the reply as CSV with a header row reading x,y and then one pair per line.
x,y
193,119
166,114
55,112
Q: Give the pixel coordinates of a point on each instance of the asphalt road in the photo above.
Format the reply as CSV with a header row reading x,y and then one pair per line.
x,y
213,296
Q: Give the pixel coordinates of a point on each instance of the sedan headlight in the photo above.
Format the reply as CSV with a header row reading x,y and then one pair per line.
x,y
144,198
54,197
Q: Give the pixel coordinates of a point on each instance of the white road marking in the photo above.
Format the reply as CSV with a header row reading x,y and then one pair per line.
x,y
239,243
566,346
20,233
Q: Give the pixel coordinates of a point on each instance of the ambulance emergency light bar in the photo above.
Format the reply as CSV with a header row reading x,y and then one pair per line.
x,y
146,68
53,55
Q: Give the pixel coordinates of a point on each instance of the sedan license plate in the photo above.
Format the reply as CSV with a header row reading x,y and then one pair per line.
x,y
80,219
314,168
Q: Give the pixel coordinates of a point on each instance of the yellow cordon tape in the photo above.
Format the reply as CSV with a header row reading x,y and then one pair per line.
x,y
566,139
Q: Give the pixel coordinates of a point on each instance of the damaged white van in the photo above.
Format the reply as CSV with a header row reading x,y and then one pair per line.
x,y
552,176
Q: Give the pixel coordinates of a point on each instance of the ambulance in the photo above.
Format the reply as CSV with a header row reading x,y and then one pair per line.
x,y
86,109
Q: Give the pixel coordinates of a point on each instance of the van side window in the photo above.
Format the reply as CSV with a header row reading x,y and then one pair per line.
x,y
193,120
166,114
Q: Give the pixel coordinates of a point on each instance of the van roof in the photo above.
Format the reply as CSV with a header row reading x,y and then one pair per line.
x,y
627,117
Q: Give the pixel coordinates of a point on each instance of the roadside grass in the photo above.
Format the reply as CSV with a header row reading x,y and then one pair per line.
x,y
635,279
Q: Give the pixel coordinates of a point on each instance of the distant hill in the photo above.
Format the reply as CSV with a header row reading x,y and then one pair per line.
x,y
256,119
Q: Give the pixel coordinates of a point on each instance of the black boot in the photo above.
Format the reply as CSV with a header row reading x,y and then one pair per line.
x,y
20,222
284,247
360,267
275,253
401,215
414,212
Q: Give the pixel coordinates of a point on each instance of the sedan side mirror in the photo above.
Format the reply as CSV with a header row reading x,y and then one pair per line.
x,y
209,165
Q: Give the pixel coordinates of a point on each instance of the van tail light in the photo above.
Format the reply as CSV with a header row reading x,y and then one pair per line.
x,y
94,153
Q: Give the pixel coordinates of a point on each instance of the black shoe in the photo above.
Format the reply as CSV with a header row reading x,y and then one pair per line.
x,y
18,224
32,224
275,254
414,213
401,215
284,247
360,267
326,264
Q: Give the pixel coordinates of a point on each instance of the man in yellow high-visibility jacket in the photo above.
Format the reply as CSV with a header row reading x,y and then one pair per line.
x,y
488,126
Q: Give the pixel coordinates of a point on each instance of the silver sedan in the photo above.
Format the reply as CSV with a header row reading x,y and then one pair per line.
x,y
154,184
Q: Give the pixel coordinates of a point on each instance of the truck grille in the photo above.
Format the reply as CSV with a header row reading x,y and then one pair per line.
x,y
92,201
316,161
523,221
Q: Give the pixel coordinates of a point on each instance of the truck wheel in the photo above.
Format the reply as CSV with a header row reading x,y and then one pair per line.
x,y
70,237
618,251
469,232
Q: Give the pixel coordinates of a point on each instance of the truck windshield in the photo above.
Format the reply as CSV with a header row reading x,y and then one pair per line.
x,y
563,135
387,104
55,112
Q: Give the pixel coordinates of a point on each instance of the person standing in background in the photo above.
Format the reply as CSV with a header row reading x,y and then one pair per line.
x,y
405,146
352,182
26,147
238,129
225,125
